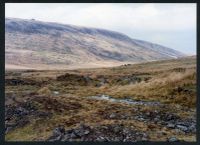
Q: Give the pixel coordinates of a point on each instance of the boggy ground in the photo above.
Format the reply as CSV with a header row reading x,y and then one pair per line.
x,y
67,105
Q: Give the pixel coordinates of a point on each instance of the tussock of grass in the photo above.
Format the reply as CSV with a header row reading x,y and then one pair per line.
x,y
44,91
162,89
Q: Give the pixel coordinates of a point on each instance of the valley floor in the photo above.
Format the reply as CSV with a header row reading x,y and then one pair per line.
x,y
153,101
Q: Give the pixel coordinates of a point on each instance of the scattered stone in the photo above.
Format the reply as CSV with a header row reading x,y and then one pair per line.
x,y
8,129
117,129
112,116
183,128
73,135
126,101
156,120
192,128
172,139
58,134
141,119
100,133
171,126
100,138
55,92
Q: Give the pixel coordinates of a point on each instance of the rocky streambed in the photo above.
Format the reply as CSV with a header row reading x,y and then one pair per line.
x,y
127,101
171,121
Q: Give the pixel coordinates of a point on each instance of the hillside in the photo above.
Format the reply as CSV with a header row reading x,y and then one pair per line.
x,y
44,45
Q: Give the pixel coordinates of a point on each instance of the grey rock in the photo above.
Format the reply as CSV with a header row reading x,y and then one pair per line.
x,y
141,119
8,129
192,128
156,119
56,132
73,135
66,137
86,132
78,133
178,131
55,92
181,127
100,138
171,126
112,115
173,139
117,129
55,138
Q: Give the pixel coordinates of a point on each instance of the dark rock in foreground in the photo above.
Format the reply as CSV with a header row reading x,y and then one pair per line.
x,y
98,133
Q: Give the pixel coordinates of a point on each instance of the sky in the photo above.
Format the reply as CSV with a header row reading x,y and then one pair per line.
x,y
171,25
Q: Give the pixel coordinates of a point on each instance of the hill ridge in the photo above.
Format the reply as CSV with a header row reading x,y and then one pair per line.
x,y
32,43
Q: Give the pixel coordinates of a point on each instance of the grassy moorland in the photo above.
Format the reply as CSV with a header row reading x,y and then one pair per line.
x,y
41,104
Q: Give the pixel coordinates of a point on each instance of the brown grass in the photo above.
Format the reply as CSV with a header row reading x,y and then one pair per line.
x,y
172,82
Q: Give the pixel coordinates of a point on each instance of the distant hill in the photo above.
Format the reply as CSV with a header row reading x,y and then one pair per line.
x,y
45,45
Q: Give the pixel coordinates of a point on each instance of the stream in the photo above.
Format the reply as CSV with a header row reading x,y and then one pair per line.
x,y
127,101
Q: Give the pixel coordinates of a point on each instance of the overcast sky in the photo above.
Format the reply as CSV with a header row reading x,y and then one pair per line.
x,y
171,25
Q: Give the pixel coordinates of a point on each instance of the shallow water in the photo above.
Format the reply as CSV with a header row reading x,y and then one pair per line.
x,y
127,101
